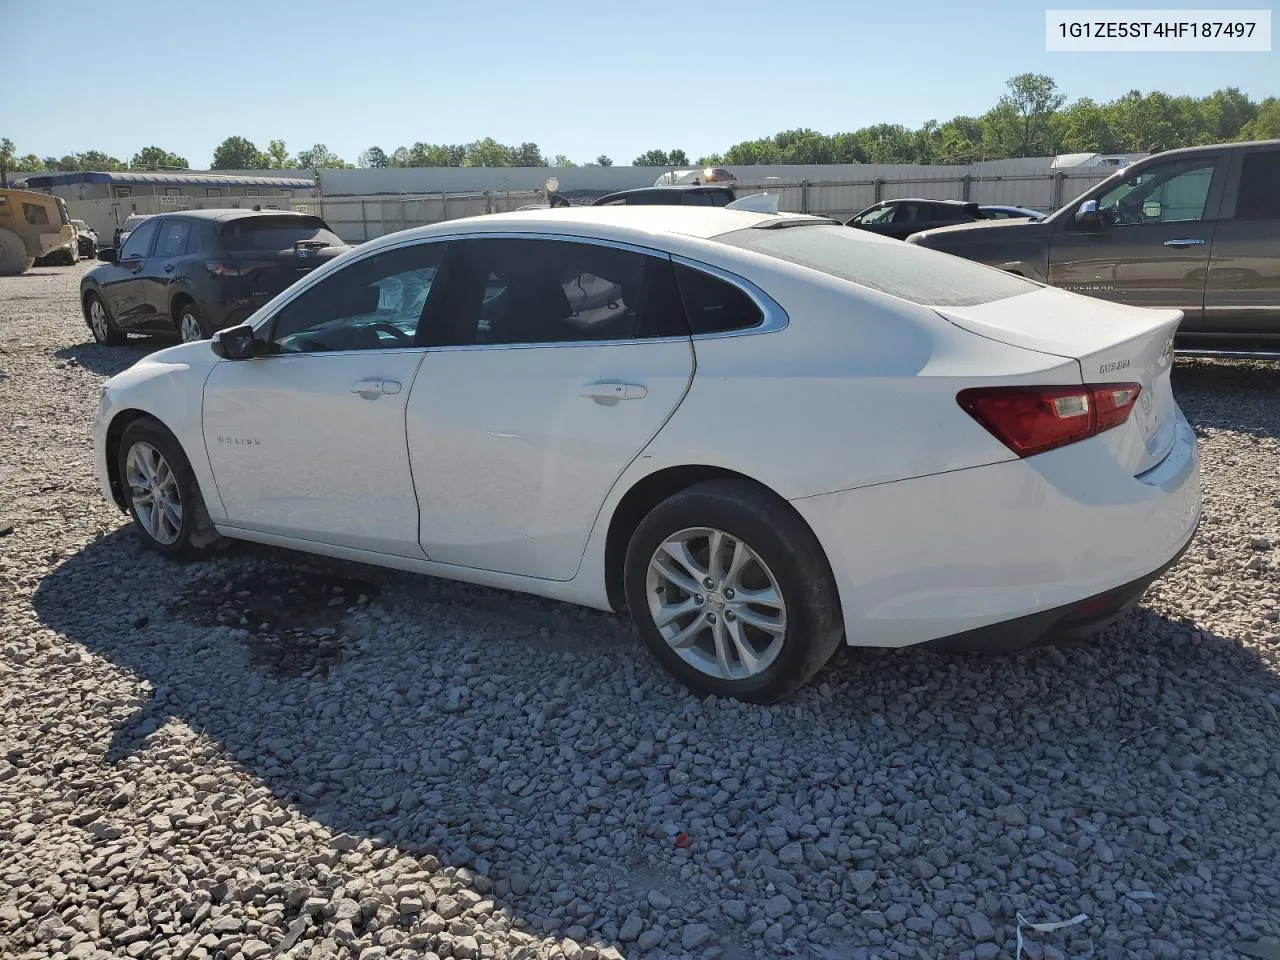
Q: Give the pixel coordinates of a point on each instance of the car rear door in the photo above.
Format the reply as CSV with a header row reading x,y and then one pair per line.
x,y
1242,295
1153,248
556,362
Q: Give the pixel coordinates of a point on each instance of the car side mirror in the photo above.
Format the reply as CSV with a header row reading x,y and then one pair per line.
x,y
108,254
1087,215
236,343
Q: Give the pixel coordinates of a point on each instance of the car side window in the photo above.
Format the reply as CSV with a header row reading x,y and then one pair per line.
x,y
139,242
714,305
173,238
882,215
1259,196
534,291
1173,193
373,304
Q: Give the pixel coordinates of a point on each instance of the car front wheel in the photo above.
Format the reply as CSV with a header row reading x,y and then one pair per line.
x,y
101,325
732,592
162,493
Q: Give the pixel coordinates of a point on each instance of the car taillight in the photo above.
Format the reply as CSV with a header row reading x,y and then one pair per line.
x,y
223,268
1031,420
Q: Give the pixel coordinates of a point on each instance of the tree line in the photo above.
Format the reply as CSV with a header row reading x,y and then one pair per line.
x,y
1031,119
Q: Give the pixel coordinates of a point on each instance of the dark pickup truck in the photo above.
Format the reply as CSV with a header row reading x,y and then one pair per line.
x,y
1197,229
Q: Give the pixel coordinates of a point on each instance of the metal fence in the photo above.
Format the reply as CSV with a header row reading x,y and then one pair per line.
x,y
359,218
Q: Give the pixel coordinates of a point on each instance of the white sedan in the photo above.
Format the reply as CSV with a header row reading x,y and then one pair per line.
x,y
757,432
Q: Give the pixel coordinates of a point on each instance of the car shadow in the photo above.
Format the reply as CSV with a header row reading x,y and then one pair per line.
x,y
411,717
1237,395
108,361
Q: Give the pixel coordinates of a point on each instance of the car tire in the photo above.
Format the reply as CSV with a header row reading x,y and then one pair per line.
x,y
162,493
190,320
14,258
101,324
723,643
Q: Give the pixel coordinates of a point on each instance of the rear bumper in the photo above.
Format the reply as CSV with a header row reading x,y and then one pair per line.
x,y
1015,547
1072,621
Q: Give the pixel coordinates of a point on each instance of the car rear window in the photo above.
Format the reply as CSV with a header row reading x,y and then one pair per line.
x,y
899,269
275,233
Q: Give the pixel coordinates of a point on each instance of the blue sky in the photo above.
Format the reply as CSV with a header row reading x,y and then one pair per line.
x,y
578,78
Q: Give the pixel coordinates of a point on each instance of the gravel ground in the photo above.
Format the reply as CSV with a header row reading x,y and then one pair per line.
x,y
273,755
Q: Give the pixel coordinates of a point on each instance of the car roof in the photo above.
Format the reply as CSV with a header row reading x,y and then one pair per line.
x,y
1205,148
223,215
624,222
667,189
954,203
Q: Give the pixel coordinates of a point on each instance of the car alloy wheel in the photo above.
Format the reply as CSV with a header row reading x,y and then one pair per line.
x,y
190,327
98,322
716,603
153,488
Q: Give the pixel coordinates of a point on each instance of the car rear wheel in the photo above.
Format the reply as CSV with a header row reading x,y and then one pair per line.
x,y
191,325
101,325
162,493
14,258
732,592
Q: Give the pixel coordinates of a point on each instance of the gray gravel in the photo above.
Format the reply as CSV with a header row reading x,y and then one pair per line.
x,y
273,755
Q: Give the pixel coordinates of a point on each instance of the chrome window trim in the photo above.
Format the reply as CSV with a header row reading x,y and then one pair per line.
x,y
774,317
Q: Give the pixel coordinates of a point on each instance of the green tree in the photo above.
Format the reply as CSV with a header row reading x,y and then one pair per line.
x,y
1226,112
97,160
603,161
29,163
526,155
156,158
487,153
560,160
1266,123
8,160
238,153
1085,127
278,156
1020,124
652,158
374,157
320,157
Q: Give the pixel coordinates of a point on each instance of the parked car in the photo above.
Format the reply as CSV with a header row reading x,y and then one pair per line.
x,y
904,216
198,271
1196,230
710,195
86,239
130,224
754,439
674,178
34,227
1000,211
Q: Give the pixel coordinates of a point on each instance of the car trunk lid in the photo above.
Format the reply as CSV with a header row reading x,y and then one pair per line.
x,y
1112,343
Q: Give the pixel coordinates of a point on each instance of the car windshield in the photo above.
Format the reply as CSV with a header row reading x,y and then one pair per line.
x,y
901,270
276,233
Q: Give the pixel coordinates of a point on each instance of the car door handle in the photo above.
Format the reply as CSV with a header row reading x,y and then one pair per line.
x,y
609,392
170,268
372,389
1184,242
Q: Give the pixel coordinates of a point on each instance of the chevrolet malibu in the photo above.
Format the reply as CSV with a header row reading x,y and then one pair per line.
x,y
758,433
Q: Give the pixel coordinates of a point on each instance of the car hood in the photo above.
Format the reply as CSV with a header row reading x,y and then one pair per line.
x,y
980,227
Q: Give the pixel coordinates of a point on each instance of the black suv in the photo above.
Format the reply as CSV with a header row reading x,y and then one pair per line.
x,y
903,217
197,271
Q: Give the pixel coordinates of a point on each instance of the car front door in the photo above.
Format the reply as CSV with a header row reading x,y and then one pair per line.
x,y
159,269
122,284
308,441
1242,297
557,362
1151,247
